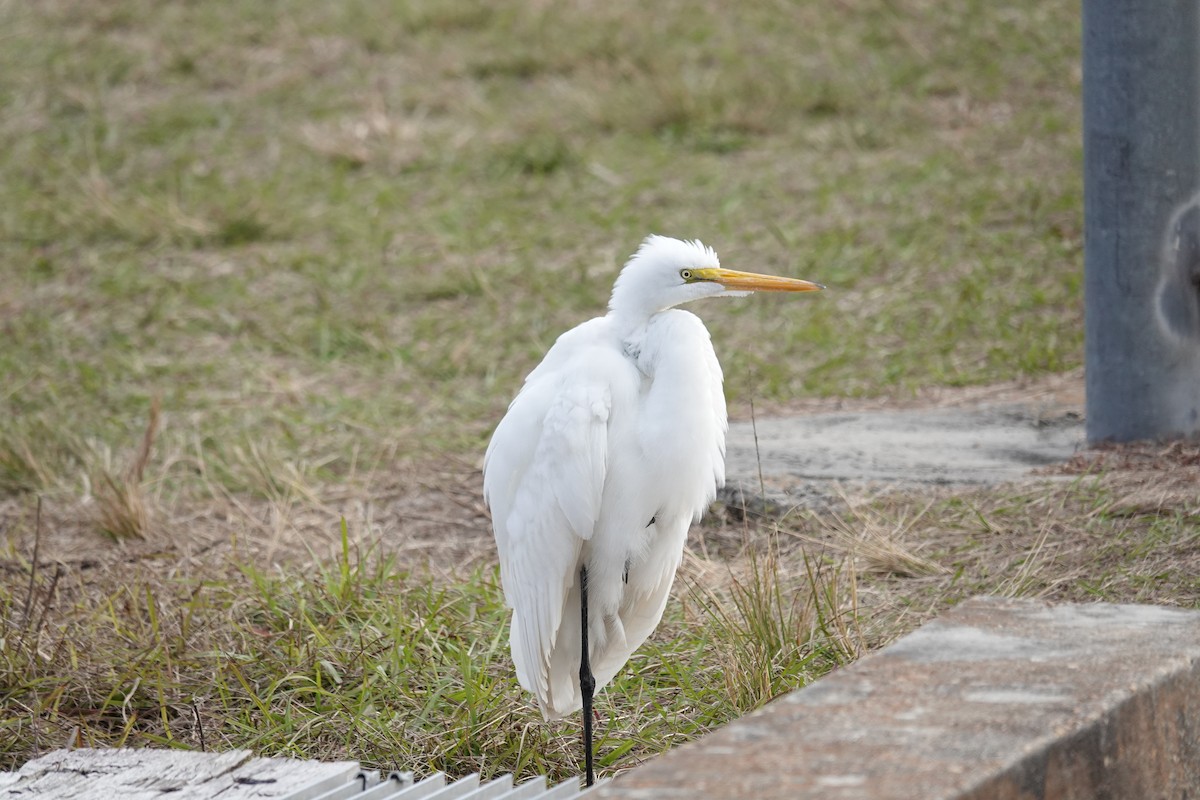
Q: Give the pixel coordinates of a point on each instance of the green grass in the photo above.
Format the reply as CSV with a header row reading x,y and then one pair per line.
x,y
364,659
359,226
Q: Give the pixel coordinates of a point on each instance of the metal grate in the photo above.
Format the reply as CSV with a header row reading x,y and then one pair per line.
x,y
369,785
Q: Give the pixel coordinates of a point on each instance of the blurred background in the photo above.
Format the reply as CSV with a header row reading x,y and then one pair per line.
x,y
325,226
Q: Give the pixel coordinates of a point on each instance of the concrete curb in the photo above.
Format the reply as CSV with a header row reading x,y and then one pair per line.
x,y
996,700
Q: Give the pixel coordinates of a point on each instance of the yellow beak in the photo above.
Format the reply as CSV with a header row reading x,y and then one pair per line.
x,y
753,282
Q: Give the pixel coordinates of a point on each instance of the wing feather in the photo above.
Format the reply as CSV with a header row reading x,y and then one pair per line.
x,y
544,476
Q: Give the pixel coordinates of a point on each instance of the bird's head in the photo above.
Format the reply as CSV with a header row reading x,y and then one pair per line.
x,y
666,272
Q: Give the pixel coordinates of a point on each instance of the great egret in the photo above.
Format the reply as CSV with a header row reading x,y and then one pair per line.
x,y
614,445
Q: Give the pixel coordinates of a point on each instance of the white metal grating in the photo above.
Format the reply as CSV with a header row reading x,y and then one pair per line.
x,y
368,785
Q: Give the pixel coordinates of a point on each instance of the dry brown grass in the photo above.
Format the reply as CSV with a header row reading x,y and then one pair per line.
x,y
429,516
881,544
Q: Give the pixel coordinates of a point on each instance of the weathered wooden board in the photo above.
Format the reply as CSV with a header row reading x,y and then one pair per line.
x,y
162,774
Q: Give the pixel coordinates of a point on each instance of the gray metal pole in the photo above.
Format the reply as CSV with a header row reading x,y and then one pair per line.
x,y
1141,154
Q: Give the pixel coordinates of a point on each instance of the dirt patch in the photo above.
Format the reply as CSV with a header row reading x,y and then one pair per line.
x,y
963,437
941,446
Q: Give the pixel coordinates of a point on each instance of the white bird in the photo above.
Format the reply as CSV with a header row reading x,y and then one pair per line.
x,y
613,447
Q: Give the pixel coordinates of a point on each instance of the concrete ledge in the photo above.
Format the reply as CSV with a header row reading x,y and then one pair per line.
x,y
997,700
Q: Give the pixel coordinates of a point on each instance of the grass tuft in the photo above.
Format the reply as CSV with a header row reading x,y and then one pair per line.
x,y
879,542
775,632
122,509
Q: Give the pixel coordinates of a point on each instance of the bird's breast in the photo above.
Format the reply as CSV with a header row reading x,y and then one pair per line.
x,y
682,419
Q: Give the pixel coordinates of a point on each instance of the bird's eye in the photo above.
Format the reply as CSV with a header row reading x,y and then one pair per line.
x,y
686,274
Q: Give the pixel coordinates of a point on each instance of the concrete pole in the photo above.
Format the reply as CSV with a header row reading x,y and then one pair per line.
x,y
1141,154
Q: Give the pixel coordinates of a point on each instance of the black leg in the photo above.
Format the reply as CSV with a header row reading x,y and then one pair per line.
x,y
587,684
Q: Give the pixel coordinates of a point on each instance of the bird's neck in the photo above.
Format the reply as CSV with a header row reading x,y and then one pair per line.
x,y
631,324
631,328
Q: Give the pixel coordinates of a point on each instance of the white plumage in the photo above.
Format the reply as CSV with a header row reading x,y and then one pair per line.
x,y
613,447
